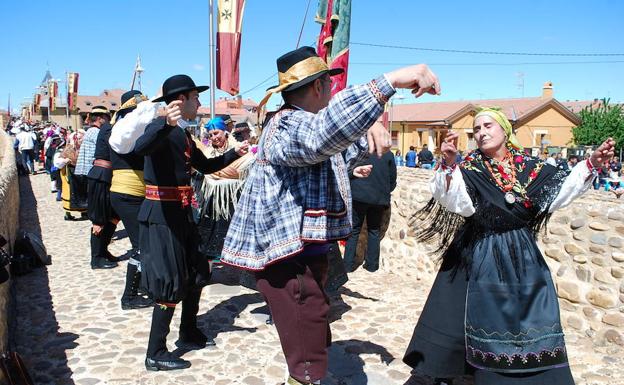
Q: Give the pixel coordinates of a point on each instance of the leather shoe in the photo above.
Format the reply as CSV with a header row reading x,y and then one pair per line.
x,y
170,364
194,340
135,302
102,263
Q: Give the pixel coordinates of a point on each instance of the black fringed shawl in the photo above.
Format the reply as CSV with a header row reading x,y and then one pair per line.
x,y
538,185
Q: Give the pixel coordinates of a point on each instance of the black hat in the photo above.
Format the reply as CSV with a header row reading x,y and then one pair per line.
x,y
129,101
227,119
298,68
241,127
178,84
309,67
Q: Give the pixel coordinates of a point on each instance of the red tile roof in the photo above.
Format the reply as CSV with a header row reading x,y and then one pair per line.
x,y
514,108
111,99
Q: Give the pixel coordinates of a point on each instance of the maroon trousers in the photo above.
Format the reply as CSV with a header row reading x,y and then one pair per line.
x,y
293,289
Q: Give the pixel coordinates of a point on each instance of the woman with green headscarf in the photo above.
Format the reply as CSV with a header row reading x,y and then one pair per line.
x,y
493,311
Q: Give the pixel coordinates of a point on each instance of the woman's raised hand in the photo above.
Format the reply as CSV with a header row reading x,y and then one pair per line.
x,y
449,147
603,153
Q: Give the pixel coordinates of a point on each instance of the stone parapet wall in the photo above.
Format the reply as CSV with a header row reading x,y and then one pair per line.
x,y
9,221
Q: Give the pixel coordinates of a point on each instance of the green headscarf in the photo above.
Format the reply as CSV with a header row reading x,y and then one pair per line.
x,y
497,114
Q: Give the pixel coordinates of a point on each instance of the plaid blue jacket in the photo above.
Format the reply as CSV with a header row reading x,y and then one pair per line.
x,y
298,191
86,154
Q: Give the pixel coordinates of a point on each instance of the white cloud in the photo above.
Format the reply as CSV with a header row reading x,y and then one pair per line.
x,y
199,67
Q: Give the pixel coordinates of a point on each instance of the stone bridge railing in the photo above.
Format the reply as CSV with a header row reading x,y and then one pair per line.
x,y
9,222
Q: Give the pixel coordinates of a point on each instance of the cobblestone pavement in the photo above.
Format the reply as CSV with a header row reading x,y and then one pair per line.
x,y
71,329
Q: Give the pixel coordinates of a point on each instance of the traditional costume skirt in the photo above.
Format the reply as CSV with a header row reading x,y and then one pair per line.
x,y
213,226
212,231
73,190
502,325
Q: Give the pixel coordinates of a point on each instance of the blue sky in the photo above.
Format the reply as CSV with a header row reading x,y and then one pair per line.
x,y
101,40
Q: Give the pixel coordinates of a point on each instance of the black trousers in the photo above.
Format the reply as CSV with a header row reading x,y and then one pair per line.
x,y
127,208
372,214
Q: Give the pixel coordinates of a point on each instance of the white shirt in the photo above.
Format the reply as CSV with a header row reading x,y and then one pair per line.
x,y
127,130
456,198
26,140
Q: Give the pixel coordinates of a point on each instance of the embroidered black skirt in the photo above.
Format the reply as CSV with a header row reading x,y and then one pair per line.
x,y
501,330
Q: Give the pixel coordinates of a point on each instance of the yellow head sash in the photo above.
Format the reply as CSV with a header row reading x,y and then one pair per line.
x,y
501,119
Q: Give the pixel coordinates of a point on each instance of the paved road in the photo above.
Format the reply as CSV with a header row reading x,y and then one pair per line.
x,y
71,329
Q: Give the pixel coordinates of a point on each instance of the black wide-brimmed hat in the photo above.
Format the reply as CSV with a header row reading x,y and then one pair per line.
x,y
298,68
227,119
178,84
129,101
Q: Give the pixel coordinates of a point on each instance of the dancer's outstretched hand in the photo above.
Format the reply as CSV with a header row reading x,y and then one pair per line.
x,y
418,78
449,147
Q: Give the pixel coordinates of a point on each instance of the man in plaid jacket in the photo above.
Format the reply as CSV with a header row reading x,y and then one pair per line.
x,y
297,196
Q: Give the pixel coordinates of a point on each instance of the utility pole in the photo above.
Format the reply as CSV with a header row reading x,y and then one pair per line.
x,y
212,59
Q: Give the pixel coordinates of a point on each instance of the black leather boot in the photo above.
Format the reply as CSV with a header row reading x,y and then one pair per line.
x,y
158,357
190,337
99,244
130,298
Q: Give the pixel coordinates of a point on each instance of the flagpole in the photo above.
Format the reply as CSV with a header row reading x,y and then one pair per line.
x,y
67,98
212,60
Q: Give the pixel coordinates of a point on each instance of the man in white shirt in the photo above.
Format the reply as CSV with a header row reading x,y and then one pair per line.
x,y
551,160
26,146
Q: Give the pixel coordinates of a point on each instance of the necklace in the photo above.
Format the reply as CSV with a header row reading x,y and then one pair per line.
x,y
505,177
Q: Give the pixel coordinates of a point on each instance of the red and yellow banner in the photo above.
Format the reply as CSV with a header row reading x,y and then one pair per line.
x,y
333,41
52,94
229,27
72,90
36,102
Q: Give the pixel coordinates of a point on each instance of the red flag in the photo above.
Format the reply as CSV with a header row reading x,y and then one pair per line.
x,y
229,27
333,42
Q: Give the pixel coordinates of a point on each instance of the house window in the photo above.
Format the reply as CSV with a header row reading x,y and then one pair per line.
x,y
395,138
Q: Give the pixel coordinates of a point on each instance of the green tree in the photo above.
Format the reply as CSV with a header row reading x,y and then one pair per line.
x,y
599,123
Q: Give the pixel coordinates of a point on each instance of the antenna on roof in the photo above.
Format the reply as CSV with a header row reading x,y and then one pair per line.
x,y
138,70
520,83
